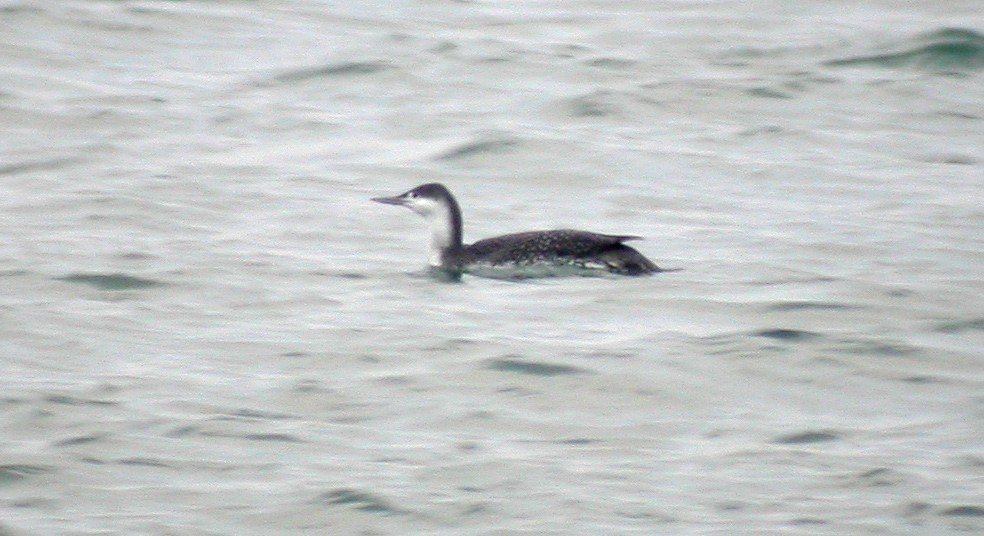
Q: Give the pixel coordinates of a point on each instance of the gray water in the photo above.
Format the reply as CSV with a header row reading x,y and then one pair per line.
x,y
206,327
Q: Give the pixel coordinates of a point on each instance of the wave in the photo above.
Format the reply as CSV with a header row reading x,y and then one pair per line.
x,y
948,49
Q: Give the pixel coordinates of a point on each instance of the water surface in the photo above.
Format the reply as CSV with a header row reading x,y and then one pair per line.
x,y
206,327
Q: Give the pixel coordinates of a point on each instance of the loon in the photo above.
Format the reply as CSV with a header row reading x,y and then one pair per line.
x,y
528,254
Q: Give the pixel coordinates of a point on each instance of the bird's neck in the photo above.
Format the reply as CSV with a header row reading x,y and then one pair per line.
x,y
445,229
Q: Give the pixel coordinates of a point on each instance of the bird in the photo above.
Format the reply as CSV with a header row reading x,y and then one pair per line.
x,y
518,255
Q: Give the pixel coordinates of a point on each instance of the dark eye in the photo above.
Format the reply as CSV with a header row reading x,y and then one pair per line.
x,y
412,195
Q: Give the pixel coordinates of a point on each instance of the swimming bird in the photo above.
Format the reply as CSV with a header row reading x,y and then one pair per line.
x,y
519,255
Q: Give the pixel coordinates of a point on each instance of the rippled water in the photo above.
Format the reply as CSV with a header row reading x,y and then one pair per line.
x,y
206,327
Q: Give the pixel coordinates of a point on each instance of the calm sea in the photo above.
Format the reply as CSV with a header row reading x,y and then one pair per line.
x,y
206,327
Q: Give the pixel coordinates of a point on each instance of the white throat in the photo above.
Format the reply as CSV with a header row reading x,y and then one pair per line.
x,y
439,220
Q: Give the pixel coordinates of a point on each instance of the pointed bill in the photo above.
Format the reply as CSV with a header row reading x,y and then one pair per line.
x,y
390,200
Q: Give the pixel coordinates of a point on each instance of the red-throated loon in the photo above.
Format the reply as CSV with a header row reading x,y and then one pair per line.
x,y
528,254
